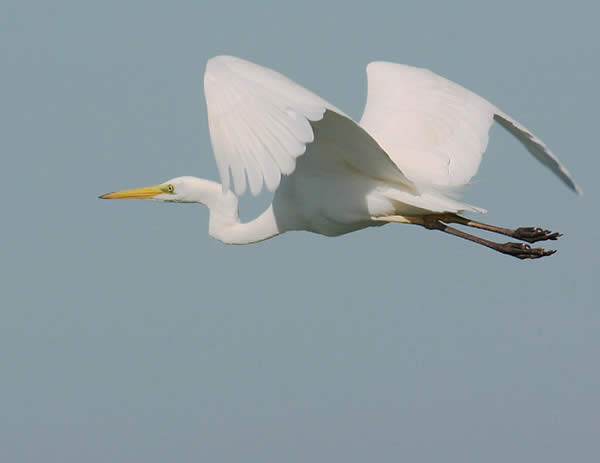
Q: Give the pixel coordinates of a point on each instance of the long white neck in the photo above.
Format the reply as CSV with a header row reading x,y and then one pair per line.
x,y
224,223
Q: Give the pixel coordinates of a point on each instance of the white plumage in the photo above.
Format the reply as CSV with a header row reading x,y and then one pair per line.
x,y
420,139
434,130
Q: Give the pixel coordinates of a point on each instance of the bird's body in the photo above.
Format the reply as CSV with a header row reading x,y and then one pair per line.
x,y
420,140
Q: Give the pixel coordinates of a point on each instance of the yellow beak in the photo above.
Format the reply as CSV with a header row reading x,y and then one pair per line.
x,y
147,192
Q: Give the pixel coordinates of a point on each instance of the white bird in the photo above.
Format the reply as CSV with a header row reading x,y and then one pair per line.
x,y
419,141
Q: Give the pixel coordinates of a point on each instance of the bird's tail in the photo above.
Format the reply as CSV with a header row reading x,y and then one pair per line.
x,y
428,201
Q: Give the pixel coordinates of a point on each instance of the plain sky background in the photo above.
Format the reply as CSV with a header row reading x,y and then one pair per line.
x,y
127,334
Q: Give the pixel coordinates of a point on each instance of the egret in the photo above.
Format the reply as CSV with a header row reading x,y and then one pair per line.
x,y
419,141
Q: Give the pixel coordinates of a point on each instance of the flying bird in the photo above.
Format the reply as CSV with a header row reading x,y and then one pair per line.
x,y
419,141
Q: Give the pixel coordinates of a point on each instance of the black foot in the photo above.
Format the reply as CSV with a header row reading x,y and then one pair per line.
x,y
524,251
533,234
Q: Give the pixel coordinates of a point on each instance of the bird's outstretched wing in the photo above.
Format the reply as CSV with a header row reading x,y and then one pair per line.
x,y
435,130
260,122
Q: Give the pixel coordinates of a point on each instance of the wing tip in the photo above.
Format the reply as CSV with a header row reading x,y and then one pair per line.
x,y
531,142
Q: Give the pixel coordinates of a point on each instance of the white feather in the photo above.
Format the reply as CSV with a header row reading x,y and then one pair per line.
x,y
435,130
259,122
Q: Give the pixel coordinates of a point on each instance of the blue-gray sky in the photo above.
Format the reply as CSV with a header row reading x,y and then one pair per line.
x,y
127,334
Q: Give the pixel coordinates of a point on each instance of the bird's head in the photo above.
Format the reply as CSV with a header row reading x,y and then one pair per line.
x,y
178,190
174,190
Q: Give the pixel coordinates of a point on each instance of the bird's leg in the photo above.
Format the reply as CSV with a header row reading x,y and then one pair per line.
x,y
529,234
434,222
520,250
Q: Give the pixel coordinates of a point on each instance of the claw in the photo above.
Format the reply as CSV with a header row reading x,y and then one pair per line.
x,y
533,234
524,251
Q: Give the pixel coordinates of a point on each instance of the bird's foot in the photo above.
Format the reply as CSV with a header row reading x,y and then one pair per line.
x,y
524,251
533,234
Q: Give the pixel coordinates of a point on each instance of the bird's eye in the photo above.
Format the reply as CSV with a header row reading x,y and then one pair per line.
x,y
170,188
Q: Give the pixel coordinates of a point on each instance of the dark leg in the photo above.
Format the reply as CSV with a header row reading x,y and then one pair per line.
x,y
529,234
520,250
